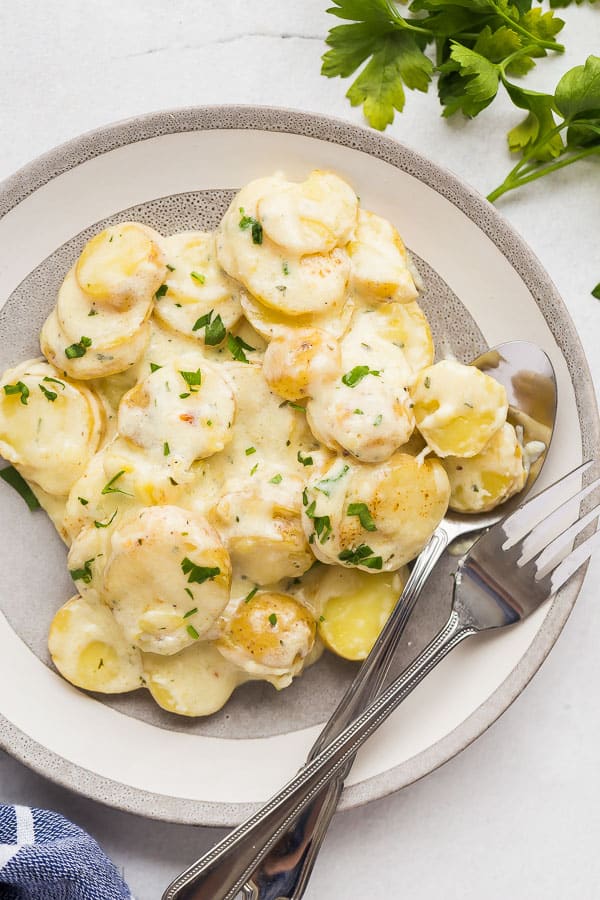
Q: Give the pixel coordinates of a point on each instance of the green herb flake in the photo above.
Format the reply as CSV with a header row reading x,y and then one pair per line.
x,y
184,395
236,346
101,663
76,351
320,486
57,381
253,469
93,312
321,618
192,379
361,556
427,382
83,501
154,367
190,612
84,573
18,388
10,475
276,479
192,632
106,524
49,395
362,511
378,420
286,269
249,451
161,291
358,412
197,276
109,487
251,222
356,375
596,291
252,593
166,449
305,460
170,267
198,574
272,620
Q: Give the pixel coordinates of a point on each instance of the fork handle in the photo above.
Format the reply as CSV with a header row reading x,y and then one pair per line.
x,y
223,871
285,872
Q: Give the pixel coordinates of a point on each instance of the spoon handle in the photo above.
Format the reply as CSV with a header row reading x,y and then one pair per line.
x,y
222,873
285,872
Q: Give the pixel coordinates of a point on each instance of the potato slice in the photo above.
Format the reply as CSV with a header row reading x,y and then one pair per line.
x,y
197,681
269,635
196,286
167,578
297,365
89,649
50,426
492,476
270,323
379,261
121,265
405,325
354,608
458,408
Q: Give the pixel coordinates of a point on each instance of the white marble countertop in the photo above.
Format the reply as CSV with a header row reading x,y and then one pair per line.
x,y
515,815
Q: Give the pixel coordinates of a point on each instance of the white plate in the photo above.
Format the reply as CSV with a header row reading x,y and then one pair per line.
x,y
176,170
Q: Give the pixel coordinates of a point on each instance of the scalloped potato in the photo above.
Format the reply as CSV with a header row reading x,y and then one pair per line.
x,y
220,413
457,408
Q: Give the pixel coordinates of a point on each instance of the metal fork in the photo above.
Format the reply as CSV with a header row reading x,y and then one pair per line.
x,y
507,575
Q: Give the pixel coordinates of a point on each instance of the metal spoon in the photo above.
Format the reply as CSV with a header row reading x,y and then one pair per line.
x,y
284,862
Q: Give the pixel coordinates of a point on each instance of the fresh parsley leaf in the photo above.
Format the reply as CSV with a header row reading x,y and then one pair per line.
x,y
18,388
10,475
361,556
236,346
192,379
109,487
76,351
322,524
249,451
596,291
192,632
154,367
166,449
323,485
84,573
305,460
190,612
198,574
161,291
356,375
273,620
249,596
257,229
49,395
83,501
362,511
276,479
106,524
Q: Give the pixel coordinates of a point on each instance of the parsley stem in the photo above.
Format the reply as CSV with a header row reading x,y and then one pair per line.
x,y
515,181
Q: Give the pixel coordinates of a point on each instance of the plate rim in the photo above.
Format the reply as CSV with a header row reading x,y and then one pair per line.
x,y
80,149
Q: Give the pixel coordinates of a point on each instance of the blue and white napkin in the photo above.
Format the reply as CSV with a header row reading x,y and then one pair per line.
x,y
43,856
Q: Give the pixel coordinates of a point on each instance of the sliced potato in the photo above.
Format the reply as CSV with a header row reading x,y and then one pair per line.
x,y
196,286
50,426
482,482
297,365
89,649
270,323
269,635
122,265
379,261
167,578
405,325
196,681
354,608
458,408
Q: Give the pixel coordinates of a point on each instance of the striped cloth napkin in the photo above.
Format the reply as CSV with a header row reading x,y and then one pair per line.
x,y
43,856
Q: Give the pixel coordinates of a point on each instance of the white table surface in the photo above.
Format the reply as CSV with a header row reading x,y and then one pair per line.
x,y
515,815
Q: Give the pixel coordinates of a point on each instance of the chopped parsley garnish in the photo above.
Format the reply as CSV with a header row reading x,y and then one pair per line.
x,y
378,420
76,351
253,469
192,379
257,229
166,449
272,620
18,388
18,483
362,511
189,593
154,367
92,312
192,632
297,406
321,618
322,523
427,382
334,478
49,395
249,596
358,412
190,612
214,330
276,479
106,524
281,287
356,375
361,556
109,487
198,574
475,488
170,268
197,276
249,451
305,460
236,346
85,573
83,501
184,395
161,291
286,268
470,405
101,663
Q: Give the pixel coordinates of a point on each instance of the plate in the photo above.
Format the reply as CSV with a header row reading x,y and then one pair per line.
x,y
177,170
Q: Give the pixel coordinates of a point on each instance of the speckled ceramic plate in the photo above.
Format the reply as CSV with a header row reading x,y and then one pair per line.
x,y
177,170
